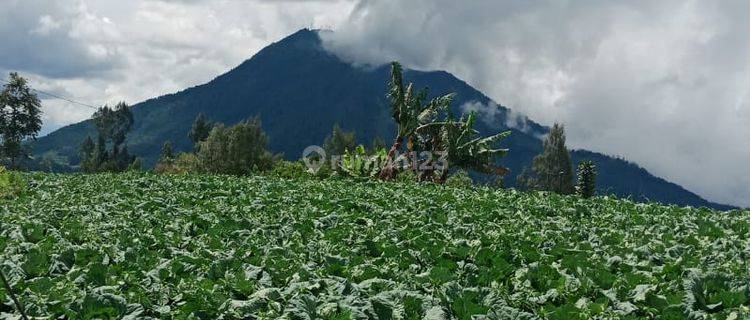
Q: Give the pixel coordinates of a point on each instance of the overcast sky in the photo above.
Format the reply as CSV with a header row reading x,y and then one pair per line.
x,y
661,83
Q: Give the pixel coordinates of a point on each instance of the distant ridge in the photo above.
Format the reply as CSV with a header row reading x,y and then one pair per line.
x,y
300,91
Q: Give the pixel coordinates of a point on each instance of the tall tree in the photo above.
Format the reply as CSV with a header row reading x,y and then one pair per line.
x,y
201,129
409,112
112,125
586,187
20,117
552,168
339,141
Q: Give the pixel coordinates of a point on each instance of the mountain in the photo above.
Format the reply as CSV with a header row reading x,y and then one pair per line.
x,y
300,91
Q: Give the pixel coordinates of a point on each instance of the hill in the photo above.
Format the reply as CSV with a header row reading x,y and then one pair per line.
x,y
300,91
143,246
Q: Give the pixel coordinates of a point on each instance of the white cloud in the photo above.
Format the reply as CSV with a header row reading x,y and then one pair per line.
x,y
662,83
46,25
102,52
491,114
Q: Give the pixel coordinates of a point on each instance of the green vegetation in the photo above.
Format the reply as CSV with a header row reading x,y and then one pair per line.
x,y
378,143
339,142
11,183
136,165
112,126
20,117
166,162
200,130
358,163
552,169
460,146
443,143
166,152
238,150
207,247
459,179
586,187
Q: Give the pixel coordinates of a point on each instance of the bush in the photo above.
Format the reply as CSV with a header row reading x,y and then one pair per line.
x,y
136,165
289,170
164,167
360,164
324,172
184,163
236,150
11,184
339,142
459,179
407,176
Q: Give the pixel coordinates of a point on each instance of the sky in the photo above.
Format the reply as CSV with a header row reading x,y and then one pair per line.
x,y
665,84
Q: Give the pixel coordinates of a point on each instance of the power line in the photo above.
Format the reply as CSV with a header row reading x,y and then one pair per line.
x,y
62,98
66,99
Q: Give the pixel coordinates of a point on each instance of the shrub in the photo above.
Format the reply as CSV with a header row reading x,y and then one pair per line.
x,y
459,179
324,172
183,163
339,141
360,164
11,184
236,150
164,167
407,176
136,165
289,170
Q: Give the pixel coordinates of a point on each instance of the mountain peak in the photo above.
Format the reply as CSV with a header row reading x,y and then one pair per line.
x,y
300,90
304,36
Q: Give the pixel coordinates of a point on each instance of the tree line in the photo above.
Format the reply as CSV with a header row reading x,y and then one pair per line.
x,y
425,128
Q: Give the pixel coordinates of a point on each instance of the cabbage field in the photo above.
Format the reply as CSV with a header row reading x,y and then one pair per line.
x,y
138,245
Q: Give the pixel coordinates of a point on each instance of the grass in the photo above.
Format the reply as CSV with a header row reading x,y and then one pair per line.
x,y
140,245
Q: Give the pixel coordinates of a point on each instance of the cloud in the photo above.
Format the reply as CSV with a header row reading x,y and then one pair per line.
x,y
101,52
491,114
36,40
662,83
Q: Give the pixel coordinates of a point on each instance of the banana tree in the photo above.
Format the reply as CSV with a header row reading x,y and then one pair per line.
x,y
462,147
409,112
359,163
